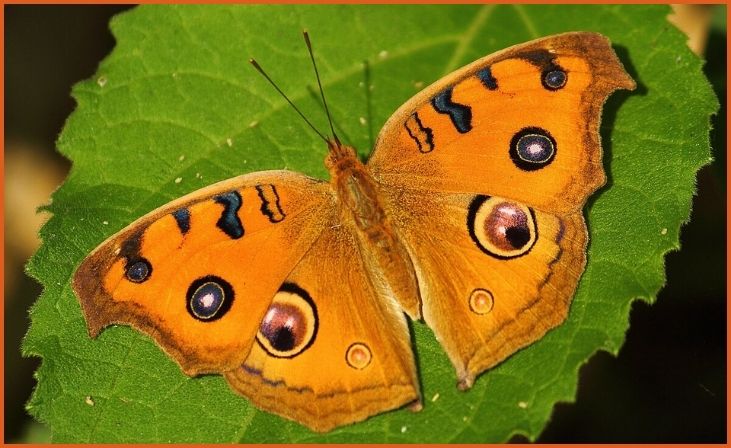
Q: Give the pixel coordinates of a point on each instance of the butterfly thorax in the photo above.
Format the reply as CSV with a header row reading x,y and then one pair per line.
x,y
360,203
357,192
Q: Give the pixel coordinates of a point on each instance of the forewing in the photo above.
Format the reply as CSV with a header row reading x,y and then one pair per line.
x,y
520,124
198,274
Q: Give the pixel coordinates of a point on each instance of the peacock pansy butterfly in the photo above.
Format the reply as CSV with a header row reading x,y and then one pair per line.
x,y
467,215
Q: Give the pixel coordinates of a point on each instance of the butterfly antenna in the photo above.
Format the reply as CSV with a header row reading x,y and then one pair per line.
x,y
319,84
261,70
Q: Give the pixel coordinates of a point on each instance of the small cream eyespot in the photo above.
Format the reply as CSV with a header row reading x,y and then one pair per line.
x,y
358,356
481,301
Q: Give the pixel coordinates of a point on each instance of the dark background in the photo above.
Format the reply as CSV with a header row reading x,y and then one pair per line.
x,y
668,383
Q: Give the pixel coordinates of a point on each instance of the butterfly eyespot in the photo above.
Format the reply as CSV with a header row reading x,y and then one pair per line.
x,y
290,324
501,228
358,356
481,301
532,149
554,79
139,271
209,298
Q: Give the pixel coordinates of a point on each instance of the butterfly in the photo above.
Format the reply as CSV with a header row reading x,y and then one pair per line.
x,y
467,215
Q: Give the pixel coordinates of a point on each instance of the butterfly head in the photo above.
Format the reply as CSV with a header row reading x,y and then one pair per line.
x,y
340,157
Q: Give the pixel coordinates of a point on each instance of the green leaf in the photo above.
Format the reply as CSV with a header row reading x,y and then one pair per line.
x,y
176,107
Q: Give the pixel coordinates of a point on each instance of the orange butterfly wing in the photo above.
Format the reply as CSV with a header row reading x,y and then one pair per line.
x,y
256,278
485,173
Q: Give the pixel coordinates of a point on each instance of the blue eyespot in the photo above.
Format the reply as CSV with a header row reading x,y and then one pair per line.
x,y
554,79
535,148
532,148
139,271
209,298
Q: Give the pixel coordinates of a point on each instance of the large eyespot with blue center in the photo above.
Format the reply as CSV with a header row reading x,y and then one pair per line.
x,y
209,298
532,148
554,78
290,324
138,271
501,228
